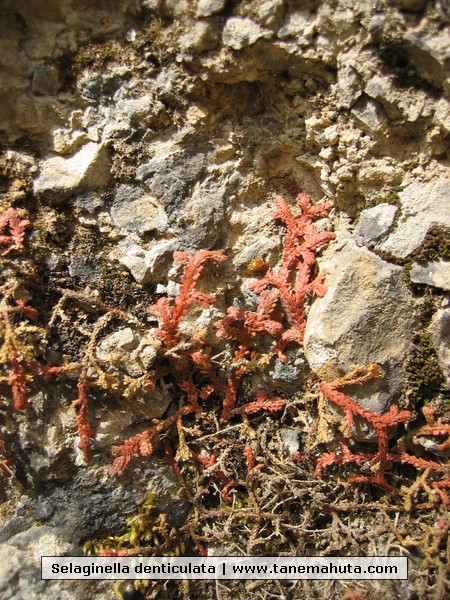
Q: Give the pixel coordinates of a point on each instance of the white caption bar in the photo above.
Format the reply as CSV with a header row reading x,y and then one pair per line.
x,y
224,567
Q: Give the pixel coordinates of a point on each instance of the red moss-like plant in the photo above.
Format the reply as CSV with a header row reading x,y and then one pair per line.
x,y
171,313
189,361
295,279
9,219
382,460
85,431
293,283
11,351
185,359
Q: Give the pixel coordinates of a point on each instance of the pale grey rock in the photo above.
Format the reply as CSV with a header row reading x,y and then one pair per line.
x,y
370,115
122,349
289,376
381,88
20,562
423,205
89,202
171,176
159,258
206,8
348,88
128,115
429,56
204,35
61,177
133,210
83,266
123,340
150,265
260,248
137,267
270,13
440,335
299,24
202,220
436,274
67,142
290,437
94,87
240,32
365,317
374,223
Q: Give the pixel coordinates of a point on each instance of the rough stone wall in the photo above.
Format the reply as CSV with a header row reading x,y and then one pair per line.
x,y
131,129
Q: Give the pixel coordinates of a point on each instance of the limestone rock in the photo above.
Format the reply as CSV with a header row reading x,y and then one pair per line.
x,y
206,8
436,274
133,210
61,177
375,223
171,175
366,316
205,35
240,32
440,336
429,56
370,115
270,13
150,265
422,206
124,348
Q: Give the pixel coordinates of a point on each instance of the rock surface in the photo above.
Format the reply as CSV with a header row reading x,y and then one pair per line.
x,y
136,128
422,206
62,177
365,317
440,335
436,274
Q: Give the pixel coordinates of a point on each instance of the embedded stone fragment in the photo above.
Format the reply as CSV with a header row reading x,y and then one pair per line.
x,y
440,336
134,210
61,177
374,223
370,115
240,32
365,317
436,274
128,351
150,265
206,8
203,36
423,205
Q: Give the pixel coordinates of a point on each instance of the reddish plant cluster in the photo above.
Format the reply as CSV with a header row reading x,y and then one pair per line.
x,y
381,461
189,363
295,280
9,219
294,284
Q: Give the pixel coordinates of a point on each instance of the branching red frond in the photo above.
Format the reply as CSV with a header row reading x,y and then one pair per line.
x,y
231,389
138,444
382,460
10,218
171,313
85,431
262,402
294,279
17,380
243,326
250,460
